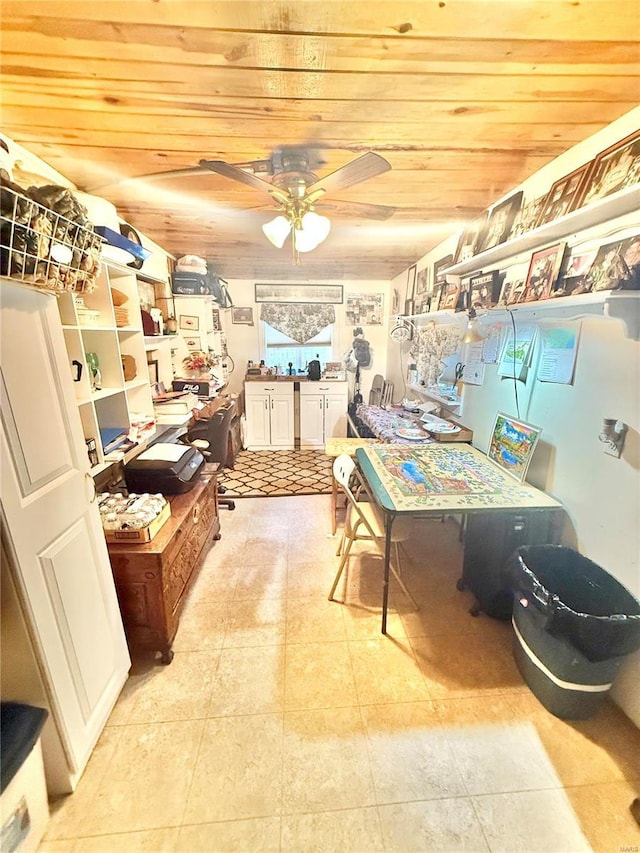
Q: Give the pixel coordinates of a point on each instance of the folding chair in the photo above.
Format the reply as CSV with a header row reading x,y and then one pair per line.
x,y
387,394
375,394
363,523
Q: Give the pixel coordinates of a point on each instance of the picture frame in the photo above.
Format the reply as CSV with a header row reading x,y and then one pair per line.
x,y
215,320
242,316
528,215
484,290
326,294
188,322
154,377
411,281
436,296
408,307
449,294
364,309
422,281
500,222
544,269
512,290
574,277
614,169
609,269
563,195
439,268
512,445
193,343
470,239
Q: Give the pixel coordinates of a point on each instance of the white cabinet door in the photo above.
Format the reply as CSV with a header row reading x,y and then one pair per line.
x,y
281,408
335,416
312,420
257,413
53,527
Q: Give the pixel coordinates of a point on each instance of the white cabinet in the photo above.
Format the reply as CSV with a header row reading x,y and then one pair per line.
x,y
114,333
323,412
55,547
269,415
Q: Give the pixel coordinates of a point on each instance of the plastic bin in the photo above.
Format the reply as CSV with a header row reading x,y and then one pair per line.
x,y
574,626
24,807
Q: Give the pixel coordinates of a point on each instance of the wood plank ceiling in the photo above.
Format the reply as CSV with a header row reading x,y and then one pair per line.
x,y
465,99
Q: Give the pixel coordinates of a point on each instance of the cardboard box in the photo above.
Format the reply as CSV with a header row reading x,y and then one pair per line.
x,y
145,534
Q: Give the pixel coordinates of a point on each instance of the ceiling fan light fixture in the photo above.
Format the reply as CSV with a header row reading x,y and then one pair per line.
x,y
315,229
277,230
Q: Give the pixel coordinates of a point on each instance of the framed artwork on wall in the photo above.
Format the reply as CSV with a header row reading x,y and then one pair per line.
x,y
411,282
242,316
320,293
192,343
188,322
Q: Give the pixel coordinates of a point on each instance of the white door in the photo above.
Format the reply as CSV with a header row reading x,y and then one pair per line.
x,y
53,528
257,413
335,416
311,420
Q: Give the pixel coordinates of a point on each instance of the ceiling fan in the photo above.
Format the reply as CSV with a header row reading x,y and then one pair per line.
x,y
298,191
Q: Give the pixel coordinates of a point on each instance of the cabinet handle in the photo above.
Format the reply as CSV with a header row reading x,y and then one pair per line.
x,y
93,487
195,515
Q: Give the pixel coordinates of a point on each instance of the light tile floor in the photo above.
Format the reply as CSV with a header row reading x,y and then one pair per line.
x,y
289,723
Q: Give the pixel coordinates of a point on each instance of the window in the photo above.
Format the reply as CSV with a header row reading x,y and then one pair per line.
x,y
280,349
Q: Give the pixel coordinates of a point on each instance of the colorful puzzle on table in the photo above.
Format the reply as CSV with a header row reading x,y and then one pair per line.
x,y
441,472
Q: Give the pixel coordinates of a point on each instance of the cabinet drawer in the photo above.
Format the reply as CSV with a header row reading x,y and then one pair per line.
x,y
198,528
270,389
336,388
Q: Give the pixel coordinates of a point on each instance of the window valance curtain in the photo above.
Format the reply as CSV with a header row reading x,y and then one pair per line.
x,y
299,321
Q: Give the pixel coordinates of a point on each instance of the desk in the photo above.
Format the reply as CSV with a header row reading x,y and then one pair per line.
x,y
438,478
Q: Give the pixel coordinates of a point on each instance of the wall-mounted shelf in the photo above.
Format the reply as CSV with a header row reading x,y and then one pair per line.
x,y
619,305
603,210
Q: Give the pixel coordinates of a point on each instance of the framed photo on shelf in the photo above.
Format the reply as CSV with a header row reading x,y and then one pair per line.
x,y
439,269
449,294
191,324
613,169
484,290
527,216
512,445
500,221
242,316
512,290
563,195
193,343
436,296
408,307
469,240
609,269
544,269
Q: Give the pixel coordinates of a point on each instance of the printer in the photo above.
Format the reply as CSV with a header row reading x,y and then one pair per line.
x,y
170,469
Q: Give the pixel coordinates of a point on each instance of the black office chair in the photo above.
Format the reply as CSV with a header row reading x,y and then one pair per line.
x,y
211,437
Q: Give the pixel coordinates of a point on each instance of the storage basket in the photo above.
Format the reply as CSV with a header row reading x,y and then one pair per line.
x,y
41,246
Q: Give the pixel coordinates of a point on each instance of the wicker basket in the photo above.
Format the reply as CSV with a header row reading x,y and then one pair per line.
x,y
43,248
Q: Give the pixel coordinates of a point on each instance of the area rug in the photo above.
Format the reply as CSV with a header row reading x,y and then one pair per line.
x,y
277,473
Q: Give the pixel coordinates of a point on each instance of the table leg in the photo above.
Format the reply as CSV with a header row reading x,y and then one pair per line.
x,y
388,521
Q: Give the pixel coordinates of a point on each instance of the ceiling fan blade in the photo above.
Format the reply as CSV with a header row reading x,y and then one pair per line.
x,y
361,169
152,176
358,209
251,180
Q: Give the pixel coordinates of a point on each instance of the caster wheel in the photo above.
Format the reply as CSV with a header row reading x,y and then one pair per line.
x,y
460,585
217,536
167,656
475,610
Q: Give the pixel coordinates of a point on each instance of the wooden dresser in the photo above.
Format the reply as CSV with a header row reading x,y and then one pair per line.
x,y
153,579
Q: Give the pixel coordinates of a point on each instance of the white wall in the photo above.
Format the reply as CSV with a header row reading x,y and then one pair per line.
x,y
243,342
601,494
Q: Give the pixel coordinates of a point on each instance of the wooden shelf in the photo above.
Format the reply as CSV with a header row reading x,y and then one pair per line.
x,y
618,204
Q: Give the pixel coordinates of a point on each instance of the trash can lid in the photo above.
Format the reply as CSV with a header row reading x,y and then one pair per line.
x,y
20,727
